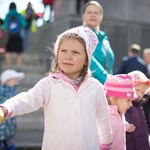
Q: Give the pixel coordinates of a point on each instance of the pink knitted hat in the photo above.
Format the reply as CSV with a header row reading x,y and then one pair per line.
x,y
120,86
139,77
88,36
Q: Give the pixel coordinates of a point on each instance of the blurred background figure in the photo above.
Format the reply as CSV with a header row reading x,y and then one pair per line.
x,y
79,4
103,58
146,105
146,57
146,108
14,24
133,61
1,22
3,38
2,35
9,87
30,17
2,44
48,5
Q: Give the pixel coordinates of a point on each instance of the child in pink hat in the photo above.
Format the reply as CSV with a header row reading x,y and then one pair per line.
x,y
75,106
138,140
120,92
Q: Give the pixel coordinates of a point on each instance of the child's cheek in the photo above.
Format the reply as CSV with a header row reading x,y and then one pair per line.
x,y
82,62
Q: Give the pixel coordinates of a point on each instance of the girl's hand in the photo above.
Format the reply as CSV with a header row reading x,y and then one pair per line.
x,y
132,128
3,111
1,115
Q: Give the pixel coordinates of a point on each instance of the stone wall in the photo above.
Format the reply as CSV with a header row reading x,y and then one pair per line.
x,y
126,22
123,10
121,35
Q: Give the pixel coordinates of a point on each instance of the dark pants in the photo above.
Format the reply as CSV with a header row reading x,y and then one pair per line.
x,y
146,108
7,144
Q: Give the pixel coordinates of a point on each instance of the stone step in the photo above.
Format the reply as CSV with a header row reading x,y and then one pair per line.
x,y
31,121
35,68
31,62
30,80
29,139
30,128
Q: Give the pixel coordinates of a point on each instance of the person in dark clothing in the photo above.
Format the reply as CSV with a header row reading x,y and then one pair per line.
x,y
146,105
29,16
138,140
146,108
133,61
1,22
15,42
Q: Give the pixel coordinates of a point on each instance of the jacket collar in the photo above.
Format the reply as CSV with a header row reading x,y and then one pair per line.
x,y
61,75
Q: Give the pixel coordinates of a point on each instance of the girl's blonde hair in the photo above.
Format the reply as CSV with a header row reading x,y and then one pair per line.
x,y
92,3
54,65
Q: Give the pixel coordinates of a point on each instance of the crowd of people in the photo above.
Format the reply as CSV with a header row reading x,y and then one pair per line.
x,y
96,108
19,26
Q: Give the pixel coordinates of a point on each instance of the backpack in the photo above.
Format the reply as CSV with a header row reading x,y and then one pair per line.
x,y
14,26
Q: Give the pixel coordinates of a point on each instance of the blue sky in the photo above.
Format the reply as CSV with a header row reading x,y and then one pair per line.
x,y
21,5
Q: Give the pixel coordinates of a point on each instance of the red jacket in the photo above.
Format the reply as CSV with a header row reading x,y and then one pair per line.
x,y
48,1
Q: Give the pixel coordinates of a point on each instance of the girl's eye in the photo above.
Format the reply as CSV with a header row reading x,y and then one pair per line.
x,y
76,52
129,100
62,50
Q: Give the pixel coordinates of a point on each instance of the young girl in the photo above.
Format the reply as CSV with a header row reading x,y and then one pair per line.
x,y
75,107
138,140
120,92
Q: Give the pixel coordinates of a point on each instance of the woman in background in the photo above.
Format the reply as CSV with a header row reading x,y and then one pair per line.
x,y
103,58
29,16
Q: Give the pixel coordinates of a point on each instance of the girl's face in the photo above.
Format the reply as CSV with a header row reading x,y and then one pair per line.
x,y
140,90
92,16
72,57
123,104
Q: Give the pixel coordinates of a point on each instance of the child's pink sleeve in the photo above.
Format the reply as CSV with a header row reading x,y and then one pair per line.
x,y
127,126
105,146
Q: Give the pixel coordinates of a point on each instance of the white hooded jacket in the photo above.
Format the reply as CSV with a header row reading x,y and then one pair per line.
x,y
74,120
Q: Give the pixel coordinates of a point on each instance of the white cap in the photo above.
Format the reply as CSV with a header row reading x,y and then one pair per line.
x,y
8,74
